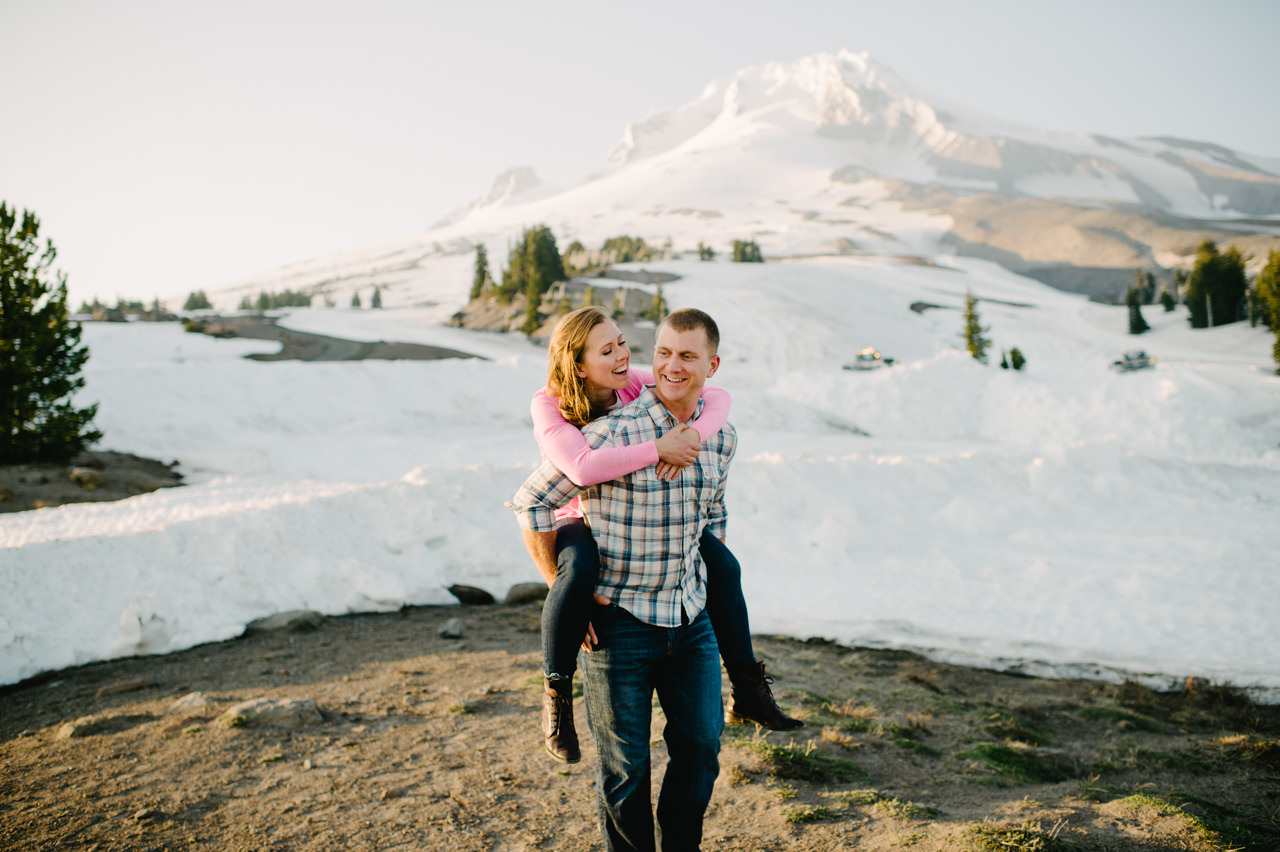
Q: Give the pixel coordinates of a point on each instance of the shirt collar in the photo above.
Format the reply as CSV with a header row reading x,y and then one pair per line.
x,y
658,412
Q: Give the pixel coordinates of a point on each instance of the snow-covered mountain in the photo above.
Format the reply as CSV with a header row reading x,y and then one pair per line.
x,y
889,128
835,154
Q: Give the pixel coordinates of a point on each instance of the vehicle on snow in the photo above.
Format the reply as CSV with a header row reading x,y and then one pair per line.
x,y
1134,359
869,359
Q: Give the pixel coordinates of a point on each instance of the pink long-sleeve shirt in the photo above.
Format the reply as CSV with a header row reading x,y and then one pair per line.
x,y
565,446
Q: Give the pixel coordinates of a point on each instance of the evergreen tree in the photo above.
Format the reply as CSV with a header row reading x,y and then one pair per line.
x,y
376,300
1004,360
355,299
1133,298
246,304
532,315
625,249
1016,359
1216,288
1167,300
975,341
197,301
480,282
41,355
706,252
1268,286
535,261
658,309
747,251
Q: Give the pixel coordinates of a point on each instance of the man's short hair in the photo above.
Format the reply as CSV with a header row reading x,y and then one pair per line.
x,y
688,319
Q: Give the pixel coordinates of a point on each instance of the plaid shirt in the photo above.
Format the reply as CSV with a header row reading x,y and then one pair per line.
x,y
647,529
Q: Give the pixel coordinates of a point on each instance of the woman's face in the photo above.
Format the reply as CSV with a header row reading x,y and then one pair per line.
x,y
605,359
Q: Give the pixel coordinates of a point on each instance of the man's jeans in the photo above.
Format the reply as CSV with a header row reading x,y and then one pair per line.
x,y
683,665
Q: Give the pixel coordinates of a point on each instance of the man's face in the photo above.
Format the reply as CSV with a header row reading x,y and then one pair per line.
x,y
682,363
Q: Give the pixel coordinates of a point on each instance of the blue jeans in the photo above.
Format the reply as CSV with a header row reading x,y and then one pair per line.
x,y
568,606
683,664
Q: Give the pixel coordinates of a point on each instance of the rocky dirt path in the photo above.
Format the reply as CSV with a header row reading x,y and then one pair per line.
x,y
424,742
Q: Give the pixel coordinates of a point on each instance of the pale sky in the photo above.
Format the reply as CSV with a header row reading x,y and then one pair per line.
x,y
170,145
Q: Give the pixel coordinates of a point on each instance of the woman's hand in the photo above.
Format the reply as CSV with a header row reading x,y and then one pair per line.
x,y
677,449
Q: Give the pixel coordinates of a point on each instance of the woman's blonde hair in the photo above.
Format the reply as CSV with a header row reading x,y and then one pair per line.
x,y
563,356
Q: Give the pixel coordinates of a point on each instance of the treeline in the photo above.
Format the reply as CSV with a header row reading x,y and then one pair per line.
x,y
1216,291
269,301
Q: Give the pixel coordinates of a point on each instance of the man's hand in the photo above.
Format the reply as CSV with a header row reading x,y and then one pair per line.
x,y
677,449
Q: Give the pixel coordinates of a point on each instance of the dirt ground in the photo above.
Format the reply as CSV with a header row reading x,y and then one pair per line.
x,y
426,743
90,477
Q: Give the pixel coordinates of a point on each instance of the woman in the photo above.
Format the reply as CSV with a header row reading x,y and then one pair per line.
x,y
589,372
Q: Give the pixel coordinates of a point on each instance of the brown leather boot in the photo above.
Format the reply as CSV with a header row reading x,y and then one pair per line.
x,y
561,737
751,700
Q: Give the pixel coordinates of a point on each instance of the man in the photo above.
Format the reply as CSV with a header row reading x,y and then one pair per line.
x,y
649,622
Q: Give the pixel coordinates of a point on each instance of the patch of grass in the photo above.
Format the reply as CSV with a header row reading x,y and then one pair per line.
x,y
895,808
889,807
1200,704
856,797
840,738
193,729
1015,727
236,721
270,758
918,747
803,763
1242,747
808,813
951,707
1113,714
1006,837
461,709
909,840
1129,756
785,791
1221,827
1019,764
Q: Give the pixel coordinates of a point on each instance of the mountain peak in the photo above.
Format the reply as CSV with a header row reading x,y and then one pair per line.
x,y
520,182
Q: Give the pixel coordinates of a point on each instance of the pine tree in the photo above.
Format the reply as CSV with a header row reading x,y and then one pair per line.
x,y
197,301
658,309
706,252
41,355
1167,300
480,282
533,260
1016,359
1004,360
376,300
1217,286
355,298
532,311
246,304
1133,298
1268,286
974,333
747,251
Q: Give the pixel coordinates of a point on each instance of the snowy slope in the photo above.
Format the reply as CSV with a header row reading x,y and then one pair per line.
x,y
1064,519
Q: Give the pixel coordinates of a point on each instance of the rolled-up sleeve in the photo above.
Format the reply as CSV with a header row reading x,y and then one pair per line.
x,y
536,501
717,516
